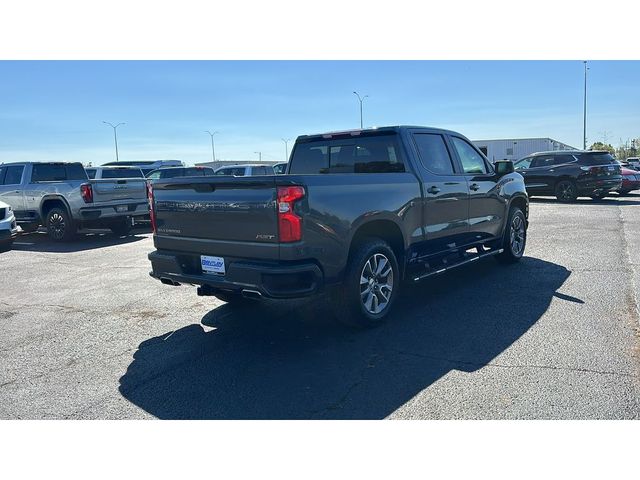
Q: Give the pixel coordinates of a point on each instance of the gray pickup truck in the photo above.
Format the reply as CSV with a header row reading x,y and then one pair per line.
x,y
61,197
355,214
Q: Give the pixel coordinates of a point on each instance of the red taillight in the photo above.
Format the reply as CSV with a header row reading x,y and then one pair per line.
x,y
289,224
86,192
152,213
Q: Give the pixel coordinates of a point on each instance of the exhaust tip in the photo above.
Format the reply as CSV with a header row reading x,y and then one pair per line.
x,y
253,294
168,281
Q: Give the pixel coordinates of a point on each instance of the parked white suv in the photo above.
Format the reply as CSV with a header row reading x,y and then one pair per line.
x,y
8,228
245,170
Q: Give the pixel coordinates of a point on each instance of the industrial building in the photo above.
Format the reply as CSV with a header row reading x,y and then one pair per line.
x,y
516,148
228,163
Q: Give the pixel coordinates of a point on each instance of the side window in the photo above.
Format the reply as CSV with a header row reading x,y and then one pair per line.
x,y
75,171
91,173
259,171
433,153
471,160
310,158
13,175
154,175
523,164
3,171
48,172
542,161
563,159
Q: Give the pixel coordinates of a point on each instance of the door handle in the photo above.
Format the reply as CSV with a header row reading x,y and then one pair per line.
x,y
474,187
433,190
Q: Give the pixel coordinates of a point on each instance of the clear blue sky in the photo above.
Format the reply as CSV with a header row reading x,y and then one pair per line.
x,y
54,110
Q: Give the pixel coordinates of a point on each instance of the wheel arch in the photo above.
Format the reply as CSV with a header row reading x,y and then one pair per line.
x,y
385,229
53,201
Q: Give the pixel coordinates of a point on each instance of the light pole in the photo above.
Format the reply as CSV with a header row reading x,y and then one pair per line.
x,y
361,99
584,121
286,148
259,155
115,135
213,151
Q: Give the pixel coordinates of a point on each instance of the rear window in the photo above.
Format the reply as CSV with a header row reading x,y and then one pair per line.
x,y
197,172
172,173
121,173
373,154
596,158
236,172
58,172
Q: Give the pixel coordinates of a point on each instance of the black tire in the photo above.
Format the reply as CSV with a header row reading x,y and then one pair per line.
x,y
515,234
363,304
60,226
122,229
566,191
622,193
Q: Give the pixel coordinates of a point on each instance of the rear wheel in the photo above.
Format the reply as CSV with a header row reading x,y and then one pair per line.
x,y
371,285
60,226
566,191
514,238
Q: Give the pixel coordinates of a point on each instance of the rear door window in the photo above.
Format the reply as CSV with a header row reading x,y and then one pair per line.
x,y
563,159
48,172
433,153
542,161
121,173
523,164
91,172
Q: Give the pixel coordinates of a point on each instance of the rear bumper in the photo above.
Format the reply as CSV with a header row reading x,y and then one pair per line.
x,y
270,279
130,209
593,186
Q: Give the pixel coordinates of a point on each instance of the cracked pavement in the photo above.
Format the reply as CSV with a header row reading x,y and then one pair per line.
x,y
88,334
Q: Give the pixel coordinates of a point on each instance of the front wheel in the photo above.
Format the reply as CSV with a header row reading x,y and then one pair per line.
x,y
566,191
514,238
599,195
371,284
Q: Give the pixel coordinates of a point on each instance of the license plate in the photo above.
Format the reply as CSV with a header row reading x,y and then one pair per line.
x,y
212,264
121,208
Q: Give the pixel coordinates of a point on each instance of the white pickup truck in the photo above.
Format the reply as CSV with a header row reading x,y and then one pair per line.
x,y
61,197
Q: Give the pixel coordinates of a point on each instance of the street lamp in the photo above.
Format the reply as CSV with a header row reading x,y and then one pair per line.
x,y
259,155
213,151
115,135
584,125
286,148
361,99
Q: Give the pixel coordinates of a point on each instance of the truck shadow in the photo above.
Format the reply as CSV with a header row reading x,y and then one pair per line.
x,y
85,240
293,362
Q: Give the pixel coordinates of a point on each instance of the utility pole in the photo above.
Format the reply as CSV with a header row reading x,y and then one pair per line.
x,y
213,151
361,99
584,124
286,148
115,135
259,155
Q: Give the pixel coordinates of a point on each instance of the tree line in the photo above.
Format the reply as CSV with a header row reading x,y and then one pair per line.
x,y
627,149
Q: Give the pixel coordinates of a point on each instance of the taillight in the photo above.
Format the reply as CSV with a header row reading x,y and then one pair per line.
x,y
289,224
152,213
86,192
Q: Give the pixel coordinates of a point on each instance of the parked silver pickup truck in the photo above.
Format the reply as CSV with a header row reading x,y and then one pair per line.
x,y
61,197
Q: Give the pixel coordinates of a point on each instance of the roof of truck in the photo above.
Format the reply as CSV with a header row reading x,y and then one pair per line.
x,y
359,131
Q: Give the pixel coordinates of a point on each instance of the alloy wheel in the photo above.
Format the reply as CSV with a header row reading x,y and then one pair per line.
x,y
376,283
57,225
517,235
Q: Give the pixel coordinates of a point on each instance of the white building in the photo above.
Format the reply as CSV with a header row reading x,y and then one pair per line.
x,y
228,163
516,148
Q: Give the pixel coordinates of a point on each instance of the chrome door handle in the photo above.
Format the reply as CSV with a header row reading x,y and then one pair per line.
x,y
474,187
433,190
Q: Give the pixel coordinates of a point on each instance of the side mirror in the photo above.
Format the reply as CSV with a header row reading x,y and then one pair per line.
x,y
503,167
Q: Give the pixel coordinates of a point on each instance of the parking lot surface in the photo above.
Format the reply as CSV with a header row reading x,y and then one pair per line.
x,y
86,333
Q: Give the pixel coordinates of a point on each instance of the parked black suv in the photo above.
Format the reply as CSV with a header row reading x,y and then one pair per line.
x,y
569,174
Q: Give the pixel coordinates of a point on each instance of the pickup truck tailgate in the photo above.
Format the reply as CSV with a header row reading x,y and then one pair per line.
x,y
121,189
219,212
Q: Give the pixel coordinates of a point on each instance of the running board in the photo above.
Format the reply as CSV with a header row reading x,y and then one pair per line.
x,y
464,262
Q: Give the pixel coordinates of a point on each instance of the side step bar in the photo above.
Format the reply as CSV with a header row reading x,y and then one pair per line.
x,y
464,262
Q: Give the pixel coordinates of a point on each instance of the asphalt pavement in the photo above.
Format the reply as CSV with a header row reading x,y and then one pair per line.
x,y
86,333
